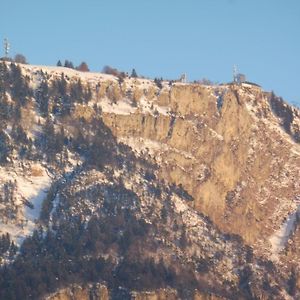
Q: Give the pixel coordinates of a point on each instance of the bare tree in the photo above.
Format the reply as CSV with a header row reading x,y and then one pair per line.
x,y
20,58
83,67
111,71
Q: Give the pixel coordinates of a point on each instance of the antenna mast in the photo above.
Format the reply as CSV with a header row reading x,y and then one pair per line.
x,y
235,73
183,78
6,47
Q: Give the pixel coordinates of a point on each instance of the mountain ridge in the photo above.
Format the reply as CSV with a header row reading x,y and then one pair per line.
x,y
221,160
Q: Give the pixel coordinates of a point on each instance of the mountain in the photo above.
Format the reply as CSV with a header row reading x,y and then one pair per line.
x,y
126,188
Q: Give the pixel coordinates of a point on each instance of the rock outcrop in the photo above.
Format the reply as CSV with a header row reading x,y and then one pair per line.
x,y
238,162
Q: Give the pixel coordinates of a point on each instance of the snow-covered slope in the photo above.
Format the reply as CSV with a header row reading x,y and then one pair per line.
x,y
24,188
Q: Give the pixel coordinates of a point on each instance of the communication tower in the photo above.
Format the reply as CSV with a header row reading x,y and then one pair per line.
x,y
183,78
235,73
238,78
6,47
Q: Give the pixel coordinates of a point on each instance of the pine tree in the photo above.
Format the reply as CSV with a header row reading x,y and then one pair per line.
x,y
76,92
20,90
19,135
49,139
43,98
134,74
68,64
62,85
292,282
5,148
158,82
59,64
61,100
87,94
17,113
4,75
4,111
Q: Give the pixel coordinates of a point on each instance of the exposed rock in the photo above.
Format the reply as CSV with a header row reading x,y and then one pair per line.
x,y
76,292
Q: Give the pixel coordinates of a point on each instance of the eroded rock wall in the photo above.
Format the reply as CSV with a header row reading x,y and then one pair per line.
x,y
230,159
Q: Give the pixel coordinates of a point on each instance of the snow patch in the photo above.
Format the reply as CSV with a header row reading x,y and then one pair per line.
x,y
152,147
28,188
122,107
280,238
149,107
215,134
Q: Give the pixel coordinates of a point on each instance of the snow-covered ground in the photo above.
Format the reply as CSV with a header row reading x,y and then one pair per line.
x,y
149,107
152,147
120,108
280,238
32,188
57,71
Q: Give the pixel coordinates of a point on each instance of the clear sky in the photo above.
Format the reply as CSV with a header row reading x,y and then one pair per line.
x,y
164,38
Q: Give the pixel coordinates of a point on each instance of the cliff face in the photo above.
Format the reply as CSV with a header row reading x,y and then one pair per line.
x,y
238,162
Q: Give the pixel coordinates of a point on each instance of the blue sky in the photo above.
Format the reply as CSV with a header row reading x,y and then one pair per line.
x,y
164,38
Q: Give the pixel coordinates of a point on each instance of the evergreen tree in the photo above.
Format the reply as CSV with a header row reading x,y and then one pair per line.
x,y
4,111
67,105
76,92
59,64
52,142
5,147
87,94
49,140
20,90
19,135
4,76
62,85
17,113
57,105
68,64
61,100
43,98
292,282
158,82
134,74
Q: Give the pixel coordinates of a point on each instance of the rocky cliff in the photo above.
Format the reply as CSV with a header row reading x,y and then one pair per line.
x,y
237,160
